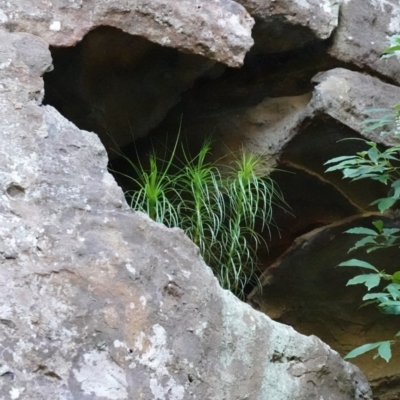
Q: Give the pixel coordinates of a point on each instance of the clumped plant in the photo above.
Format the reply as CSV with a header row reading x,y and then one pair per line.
x,y
222,209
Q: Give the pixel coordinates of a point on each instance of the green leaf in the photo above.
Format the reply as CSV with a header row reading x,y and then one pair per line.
x,y
363,242
391,310
362,349
392,49
385,203
369,280
395,303
338,159
384,351
376,296
390,231
396,277
373,154
378,225
361,231
357,263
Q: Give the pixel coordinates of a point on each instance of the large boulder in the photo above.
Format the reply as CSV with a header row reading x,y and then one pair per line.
x,y
362,36
217,29
120,67
119,85
100,302
304,288
283,25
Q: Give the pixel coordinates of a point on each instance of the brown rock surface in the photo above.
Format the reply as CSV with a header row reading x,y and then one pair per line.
x,y
283,25
100,302
118,85
306,290
217,29
362,36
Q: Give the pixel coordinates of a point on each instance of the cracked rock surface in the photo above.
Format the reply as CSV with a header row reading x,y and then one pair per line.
x,y
99,302
217,29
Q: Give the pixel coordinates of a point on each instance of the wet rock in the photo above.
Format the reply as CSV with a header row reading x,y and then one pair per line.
x,y
100,301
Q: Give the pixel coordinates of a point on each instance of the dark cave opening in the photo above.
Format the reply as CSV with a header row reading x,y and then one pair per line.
x,y
137,95
118,85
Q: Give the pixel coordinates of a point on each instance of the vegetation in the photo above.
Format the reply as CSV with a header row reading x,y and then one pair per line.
x,y
222,209
382,166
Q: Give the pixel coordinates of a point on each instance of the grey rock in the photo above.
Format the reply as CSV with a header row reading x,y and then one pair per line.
x,y
119,85
283,25
100,302
362,36
320,303
217,29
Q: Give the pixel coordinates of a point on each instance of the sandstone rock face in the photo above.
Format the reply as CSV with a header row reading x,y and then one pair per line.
x,y
320,302
118,85
346,96
217,29
283,25
100,302
362,35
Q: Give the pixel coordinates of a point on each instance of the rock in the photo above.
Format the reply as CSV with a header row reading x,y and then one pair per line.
x,y
118,85
98,301
335,112
346,96
320,303
302,287
216,29
362,36
283,25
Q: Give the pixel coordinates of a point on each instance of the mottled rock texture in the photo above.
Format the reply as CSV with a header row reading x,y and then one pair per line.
x,y
118,85
362,36
320,303
325,206
217,29
124,77
100,302
283,25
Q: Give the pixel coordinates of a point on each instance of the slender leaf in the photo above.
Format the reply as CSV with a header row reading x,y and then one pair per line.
x,y
362,349
369,280
357,263
378,225
362,231
384,351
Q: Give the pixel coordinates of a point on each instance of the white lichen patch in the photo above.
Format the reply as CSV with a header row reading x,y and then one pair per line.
x,y
199,330
55,26
139,341
101,376
130,268
5,64
186,274
15,393
156,358
394,24
3,17
143,301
